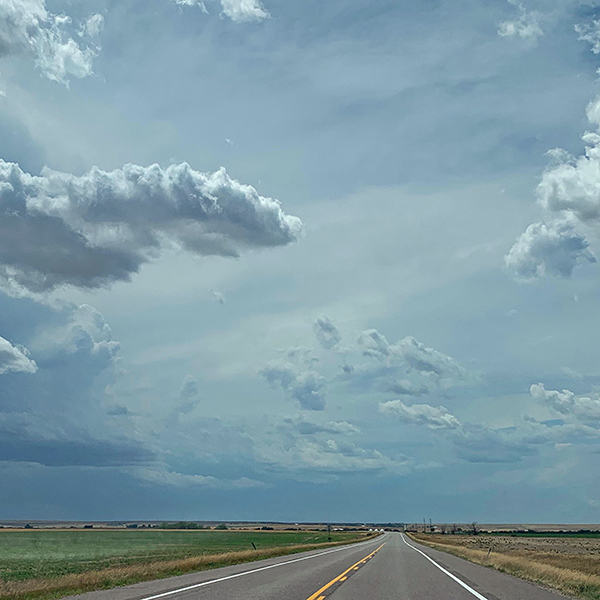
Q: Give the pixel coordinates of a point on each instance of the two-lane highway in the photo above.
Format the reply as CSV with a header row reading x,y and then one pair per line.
x,y
390,567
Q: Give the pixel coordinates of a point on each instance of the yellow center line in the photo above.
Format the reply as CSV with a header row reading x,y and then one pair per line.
x,y
317,595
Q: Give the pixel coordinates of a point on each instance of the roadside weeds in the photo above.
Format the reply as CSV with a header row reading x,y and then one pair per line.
x,y
567,580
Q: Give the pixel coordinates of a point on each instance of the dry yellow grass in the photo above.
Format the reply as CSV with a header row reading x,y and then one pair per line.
x,y
79,583
571,573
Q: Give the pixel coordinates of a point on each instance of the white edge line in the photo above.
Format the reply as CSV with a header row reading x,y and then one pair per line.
x,y
205,583
468,588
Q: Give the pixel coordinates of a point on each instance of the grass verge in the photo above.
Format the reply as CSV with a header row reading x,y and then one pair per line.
x,y
569,574
79,583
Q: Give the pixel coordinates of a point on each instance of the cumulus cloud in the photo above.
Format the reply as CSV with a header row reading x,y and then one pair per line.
x,y
413,353
303,386
326,332
27,27
90,231
525,26
197,3
370,364
14,358
553,249
243,11
569,196
434,417
83,337
590,32
57,415
585,408
239,11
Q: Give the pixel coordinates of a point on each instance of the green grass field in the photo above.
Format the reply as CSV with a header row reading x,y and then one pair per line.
x,y
43,554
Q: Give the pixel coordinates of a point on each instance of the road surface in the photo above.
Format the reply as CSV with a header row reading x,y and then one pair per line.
x,y
390,567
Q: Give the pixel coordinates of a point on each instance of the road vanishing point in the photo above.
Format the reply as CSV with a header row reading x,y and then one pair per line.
x,y
389,567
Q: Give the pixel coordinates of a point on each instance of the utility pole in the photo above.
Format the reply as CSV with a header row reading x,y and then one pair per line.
x,y
328,532
430,527
424,526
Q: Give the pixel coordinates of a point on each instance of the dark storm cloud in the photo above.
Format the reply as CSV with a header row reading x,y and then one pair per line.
x,y
20,445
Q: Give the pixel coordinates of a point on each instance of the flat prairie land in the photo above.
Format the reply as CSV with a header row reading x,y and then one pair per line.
x,y
55,563
569,563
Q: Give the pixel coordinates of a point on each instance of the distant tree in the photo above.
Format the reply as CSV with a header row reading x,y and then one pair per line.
x,y
474,528
181,525
454,529
221,526
443,528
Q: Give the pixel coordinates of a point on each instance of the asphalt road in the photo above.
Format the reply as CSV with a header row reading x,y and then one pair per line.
x,y
390,567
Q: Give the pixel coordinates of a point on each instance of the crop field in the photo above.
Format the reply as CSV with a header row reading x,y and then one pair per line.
x,y
54,563
569,563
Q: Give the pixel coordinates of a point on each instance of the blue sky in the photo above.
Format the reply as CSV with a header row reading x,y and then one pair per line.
x,y
299,261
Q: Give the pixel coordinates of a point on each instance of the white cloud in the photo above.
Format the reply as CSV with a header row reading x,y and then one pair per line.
x,y
411,353
553,249
15,358
197,3
407,367
434,417
26,27
89,231
326,332
585,408
525,26
590,32
569,195
242,11
93,25
239,11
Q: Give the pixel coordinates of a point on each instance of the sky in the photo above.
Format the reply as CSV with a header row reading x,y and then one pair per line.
x,y
300,261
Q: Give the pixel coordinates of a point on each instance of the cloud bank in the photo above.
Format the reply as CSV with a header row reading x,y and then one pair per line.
x,y
28,28
89,231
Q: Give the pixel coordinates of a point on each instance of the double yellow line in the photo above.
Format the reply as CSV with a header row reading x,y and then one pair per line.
x,y
318,595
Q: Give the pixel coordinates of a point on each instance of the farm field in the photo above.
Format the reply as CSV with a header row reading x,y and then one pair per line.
x,y
569,563
54,563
